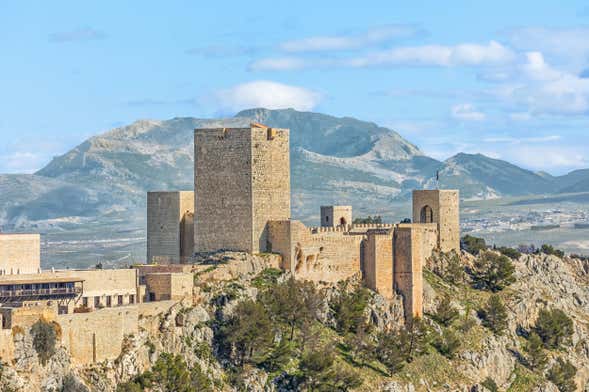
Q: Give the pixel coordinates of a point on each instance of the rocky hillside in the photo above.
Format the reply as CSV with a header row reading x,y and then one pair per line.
x,y
334,160
342,337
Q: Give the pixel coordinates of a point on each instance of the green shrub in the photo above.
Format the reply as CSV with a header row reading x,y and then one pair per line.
x,y
536,357
445,313
490,384
492,271
550,250
494,314
349,310
447,343
454,271
170,373
368,220
554,327
250,331
293,303
396,348
562,374
473,245
44,339
512,253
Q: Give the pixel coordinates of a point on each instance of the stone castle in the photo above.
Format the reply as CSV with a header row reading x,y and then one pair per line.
x,y
241,202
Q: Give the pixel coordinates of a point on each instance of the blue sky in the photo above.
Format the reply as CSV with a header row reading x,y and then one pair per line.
x,y
507,79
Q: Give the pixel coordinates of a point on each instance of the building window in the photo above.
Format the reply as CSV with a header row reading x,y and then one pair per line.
x,y
131,299
427,215
120,300
108,301
96,302
85,302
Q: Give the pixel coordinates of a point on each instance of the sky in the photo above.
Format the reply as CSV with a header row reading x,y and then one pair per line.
x,y
508,79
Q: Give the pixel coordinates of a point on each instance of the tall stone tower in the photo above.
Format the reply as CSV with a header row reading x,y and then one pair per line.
x,y
442,208
170,226
241,181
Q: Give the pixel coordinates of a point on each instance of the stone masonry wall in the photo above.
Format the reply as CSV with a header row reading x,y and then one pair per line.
x,y
167,213
378,262
408,269
169,286
20,253
97,336
445,207
333,215
270,182
223,189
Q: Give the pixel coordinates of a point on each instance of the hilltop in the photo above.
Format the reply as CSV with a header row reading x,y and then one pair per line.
x,y
206,341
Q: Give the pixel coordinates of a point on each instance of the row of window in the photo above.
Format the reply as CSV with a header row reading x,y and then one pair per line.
x,y
118,299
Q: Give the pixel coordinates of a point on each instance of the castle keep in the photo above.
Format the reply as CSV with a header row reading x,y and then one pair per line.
x,y
242,203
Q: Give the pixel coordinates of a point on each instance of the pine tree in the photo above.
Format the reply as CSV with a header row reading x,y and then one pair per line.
x,y
494,314
447,343
554,327
536,357
250,330
493,271
562,374
455,269
445,313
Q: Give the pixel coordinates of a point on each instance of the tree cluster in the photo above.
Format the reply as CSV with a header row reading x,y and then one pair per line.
x,y
368,220
492,271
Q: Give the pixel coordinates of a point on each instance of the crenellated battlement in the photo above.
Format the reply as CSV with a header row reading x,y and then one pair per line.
x,y
247,208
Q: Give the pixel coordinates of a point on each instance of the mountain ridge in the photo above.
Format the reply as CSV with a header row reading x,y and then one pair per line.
x,y
334,160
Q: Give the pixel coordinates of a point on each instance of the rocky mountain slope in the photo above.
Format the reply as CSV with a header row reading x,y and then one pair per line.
x,y
197,331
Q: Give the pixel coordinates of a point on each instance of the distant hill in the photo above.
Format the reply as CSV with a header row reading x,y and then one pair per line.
x,y
334,160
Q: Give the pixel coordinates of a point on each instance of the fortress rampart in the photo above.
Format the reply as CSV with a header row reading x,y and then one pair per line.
x,y
242,203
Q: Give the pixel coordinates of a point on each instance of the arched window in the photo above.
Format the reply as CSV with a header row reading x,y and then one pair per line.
x,y
427,215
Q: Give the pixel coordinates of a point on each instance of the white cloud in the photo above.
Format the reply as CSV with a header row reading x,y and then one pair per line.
x,y
350,42
267,94
467,112
549,157
427,55
542,89
522,140
567,43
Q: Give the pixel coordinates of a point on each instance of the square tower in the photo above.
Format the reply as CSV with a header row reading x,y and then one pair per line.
x,y
170,226
20,253
332,216
241,181
441,207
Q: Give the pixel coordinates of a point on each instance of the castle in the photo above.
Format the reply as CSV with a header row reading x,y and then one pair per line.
x,y
241,202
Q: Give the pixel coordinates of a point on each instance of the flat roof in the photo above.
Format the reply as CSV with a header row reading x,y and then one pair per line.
x,y
47,279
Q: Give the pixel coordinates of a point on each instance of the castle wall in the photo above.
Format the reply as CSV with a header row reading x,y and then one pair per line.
x,y
168,286
20,253
378,262
97,336
170,237
408,268
445,212
270,182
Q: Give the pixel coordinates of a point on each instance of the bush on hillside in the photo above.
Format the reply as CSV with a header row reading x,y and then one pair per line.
x,y
44,339
473,245
494,314
492,271
554,327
